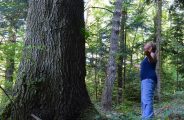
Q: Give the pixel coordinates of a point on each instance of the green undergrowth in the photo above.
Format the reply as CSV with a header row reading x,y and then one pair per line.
x,y
171,107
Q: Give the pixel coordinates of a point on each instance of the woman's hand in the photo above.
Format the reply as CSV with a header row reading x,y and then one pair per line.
x,y
151,56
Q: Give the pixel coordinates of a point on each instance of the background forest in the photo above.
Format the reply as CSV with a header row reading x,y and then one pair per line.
x,y
139,23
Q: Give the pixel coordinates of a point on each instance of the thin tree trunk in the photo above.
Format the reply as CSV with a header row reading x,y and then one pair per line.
x,y
177,73
96,80
132,50
111,68
10,58
121,57
88,11
124,63
51,80
10,62
158,39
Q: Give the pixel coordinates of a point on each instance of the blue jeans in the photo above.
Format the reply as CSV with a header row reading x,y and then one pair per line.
x,y
147,94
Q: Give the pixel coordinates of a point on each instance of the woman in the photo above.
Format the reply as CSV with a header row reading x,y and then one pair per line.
x,y
148,80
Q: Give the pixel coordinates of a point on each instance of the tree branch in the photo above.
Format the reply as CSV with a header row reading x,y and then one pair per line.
x,y
100,8
7,95
35,117
7,111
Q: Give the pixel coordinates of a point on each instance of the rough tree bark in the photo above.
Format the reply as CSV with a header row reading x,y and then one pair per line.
x,y
51,80
111,68
158,39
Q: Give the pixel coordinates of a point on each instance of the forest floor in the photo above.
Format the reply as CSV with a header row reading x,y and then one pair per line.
x,y
171,107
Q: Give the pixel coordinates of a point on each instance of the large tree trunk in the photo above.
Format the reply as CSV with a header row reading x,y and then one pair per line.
x,y
111,69
158,39
51,78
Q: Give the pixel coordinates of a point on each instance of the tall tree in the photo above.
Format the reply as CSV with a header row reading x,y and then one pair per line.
x,y
121,57
176,46
158,40
51,80
111,68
